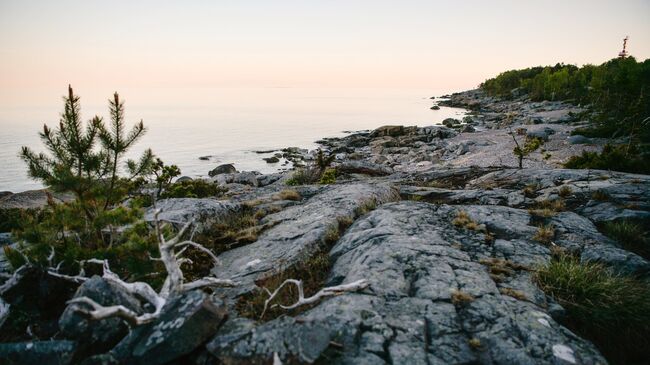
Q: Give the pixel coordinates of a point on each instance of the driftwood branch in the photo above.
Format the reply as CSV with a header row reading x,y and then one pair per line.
x,y
325,292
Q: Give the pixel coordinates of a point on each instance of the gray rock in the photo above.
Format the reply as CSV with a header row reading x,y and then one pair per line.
x,y
184,178
467,129
415,258
223,169
578,139
268,179
32,199
542,134
450,122
37,352
100,336
271,159
204,211
243,178
186,323
364,167
298,231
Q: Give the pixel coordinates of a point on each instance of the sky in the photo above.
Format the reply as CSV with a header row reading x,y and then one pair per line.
x,y
101,46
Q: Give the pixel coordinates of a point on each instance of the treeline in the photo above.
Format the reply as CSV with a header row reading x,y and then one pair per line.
x,y
617,91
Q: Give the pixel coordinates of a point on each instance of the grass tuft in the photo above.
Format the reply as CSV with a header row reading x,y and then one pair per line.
x,y
461,298
609,309
544,234
287,194
564,192
630,235
517,294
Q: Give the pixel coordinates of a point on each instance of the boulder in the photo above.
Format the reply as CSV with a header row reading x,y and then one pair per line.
x,y
183,178
450,122
100,336
37,353
467,129
204,211
388,130
186,322
542,134
435,107
271,159
223,169
32,199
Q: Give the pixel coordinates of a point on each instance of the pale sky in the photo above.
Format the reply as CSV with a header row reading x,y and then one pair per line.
x,y
118,44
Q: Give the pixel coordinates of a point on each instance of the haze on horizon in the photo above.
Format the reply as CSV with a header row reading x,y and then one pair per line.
x,y
102,46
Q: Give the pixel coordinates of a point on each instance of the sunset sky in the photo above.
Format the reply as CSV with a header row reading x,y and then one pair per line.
x,y
108,45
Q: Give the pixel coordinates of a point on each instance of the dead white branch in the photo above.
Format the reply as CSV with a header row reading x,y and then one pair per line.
x,y
325,292
174,283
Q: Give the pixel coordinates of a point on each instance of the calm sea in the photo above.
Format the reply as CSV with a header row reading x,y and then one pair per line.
x,y
226,124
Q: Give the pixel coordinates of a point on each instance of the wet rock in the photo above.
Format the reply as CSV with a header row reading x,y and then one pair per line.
x,y
450,122
37,352
388,131
100,336
243,178
223,169
186,323
271,159
467,129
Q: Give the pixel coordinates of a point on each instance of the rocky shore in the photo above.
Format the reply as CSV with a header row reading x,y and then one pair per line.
x,y
438,220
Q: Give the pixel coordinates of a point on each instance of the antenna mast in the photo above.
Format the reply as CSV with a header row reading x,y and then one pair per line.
x,y
623,53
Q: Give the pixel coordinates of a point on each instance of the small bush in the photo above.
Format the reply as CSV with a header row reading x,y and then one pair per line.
x,y
609,309
193,189
299,177
328,177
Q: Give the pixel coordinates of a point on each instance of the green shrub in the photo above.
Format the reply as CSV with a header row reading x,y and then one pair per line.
x,y
193,189
611,310
616,158
299,177
328,177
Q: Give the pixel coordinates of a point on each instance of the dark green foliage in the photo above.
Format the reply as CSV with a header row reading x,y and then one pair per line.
x,y
322,161
618,158
13,218
601,303
530,145
193,189
618,91
164,175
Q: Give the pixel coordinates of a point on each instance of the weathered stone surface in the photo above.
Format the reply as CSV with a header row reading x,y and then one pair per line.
x,y
223,169
37,353
186,323
414,259
299,230
512,198
32,199
97,336
363,167
200,210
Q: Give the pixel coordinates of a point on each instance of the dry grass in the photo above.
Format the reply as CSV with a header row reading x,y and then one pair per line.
x,y
475,344
517,294
313,273
287,194
600,195
544,234
565,191
462,219
530,190
548,208
461,298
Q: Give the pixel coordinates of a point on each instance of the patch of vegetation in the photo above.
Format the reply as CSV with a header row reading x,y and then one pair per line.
x,y
499,269
517,294
313,272
328,177
463,220
625,158
312,174
299,177
14,218
632,235
565,192
460,298
530,190
547,208
610,309
600,195
475,344
287,194
544,234
197,188
531,144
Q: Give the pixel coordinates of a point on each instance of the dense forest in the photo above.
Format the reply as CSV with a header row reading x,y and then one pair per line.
x,y
616,94
617,90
